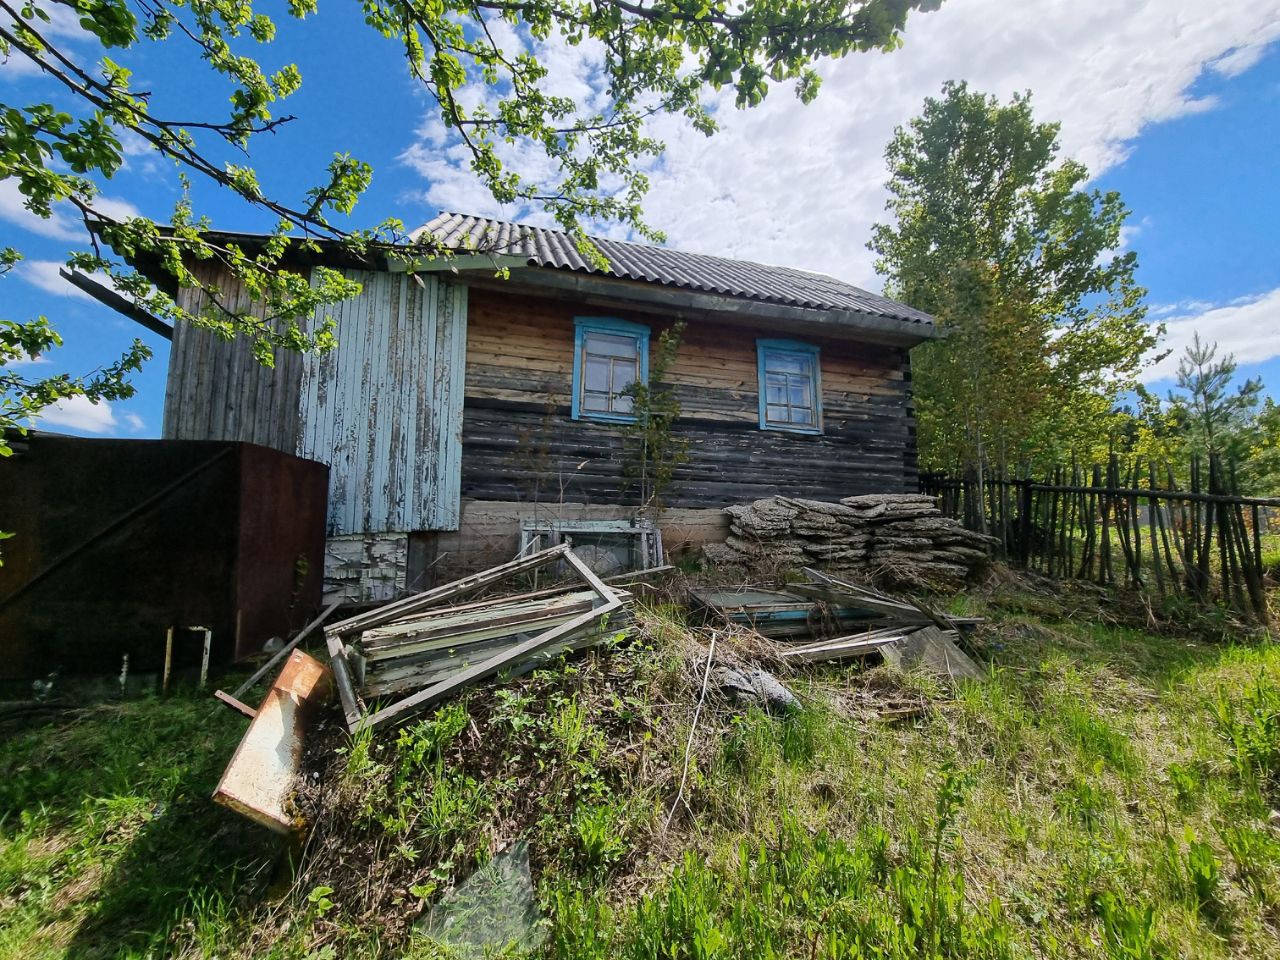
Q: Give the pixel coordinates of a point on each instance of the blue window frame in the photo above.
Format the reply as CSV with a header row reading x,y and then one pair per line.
x,y
790,386
609,355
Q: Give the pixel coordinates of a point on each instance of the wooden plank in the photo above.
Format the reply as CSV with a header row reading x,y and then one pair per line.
x,y
351,710
495,611
384,409
404,709
842,651
235,704
284,651
610,601
399,679
413,644
880,633
122,305
453,622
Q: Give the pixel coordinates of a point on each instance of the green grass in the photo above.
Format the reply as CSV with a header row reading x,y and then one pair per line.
x,y
1108,793
108,842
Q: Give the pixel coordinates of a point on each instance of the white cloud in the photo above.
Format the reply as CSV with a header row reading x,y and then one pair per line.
x,y
444,162
80,413
802,186
45,275
65,224
115,207
134,422
37,360
1247,327
60,226
63,24
785,183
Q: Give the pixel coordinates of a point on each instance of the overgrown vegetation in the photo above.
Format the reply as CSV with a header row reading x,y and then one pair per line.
x,y
998,237
1108,793
652,452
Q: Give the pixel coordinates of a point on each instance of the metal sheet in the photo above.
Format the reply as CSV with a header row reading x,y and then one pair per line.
x,y
258,782
384,409
542,247
176,533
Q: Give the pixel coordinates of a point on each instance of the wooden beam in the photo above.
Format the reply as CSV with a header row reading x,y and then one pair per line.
x,y
351,711
849,324
402,710
398,609
122,305
235,704
284,651
841,651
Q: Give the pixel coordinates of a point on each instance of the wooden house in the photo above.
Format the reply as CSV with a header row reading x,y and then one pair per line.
x,y
459,403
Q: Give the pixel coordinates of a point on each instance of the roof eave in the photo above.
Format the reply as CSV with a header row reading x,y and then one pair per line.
x,y
850,324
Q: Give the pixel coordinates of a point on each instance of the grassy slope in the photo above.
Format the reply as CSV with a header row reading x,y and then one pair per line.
x,y
1106,794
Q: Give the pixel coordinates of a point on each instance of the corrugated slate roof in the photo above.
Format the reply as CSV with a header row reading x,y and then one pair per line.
x,y
693,271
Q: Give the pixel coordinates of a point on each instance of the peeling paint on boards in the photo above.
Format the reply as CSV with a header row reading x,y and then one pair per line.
x,y
383,409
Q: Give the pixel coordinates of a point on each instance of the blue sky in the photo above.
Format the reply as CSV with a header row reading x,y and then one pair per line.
x,y
1172,103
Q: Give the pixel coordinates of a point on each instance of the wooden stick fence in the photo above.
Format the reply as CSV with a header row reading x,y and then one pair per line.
x,y
1128,525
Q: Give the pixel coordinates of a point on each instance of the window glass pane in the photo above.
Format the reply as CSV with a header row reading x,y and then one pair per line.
x,y
786,363
597,375
790,387
610,363
624,374
611,345
775,390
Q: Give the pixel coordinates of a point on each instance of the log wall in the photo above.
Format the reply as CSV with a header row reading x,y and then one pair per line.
x,y
520,443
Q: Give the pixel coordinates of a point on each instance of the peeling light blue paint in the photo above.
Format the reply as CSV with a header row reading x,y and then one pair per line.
x,y
384,408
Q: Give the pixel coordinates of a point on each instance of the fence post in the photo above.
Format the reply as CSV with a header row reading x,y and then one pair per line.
x,y
1026,529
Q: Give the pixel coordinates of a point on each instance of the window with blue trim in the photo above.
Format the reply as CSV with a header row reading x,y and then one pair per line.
x,y
609,356
790,386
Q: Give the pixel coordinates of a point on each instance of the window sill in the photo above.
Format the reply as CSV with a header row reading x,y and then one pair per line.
x,y
606,417
803,431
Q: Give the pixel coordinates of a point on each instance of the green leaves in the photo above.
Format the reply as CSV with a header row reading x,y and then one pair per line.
x,y
527,142
997,239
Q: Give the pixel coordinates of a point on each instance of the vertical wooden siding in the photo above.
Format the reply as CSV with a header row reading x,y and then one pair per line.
x,y
384,409
217,390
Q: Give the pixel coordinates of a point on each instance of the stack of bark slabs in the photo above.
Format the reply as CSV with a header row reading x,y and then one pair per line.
x,y
900,539
427,647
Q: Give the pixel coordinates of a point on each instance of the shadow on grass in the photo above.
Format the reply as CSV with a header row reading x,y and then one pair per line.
x,y
112,808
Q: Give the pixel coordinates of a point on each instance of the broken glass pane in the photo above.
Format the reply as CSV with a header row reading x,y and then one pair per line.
x,y
493,910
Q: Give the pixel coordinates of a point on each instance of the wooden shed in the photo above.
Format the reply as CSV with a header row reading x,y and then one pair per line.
x,y
459,403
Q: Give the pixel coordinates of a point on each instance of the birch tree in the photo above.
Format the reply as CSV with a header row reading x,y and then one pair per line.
x,y
997,236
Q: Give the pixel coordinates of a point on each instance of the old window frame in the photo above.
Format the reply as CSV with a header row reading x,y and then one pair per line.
x,y
608,326
795,348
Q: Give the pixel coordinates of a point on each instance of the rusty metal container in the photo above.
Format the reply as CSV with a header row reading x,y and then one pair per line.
x,y
116,541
